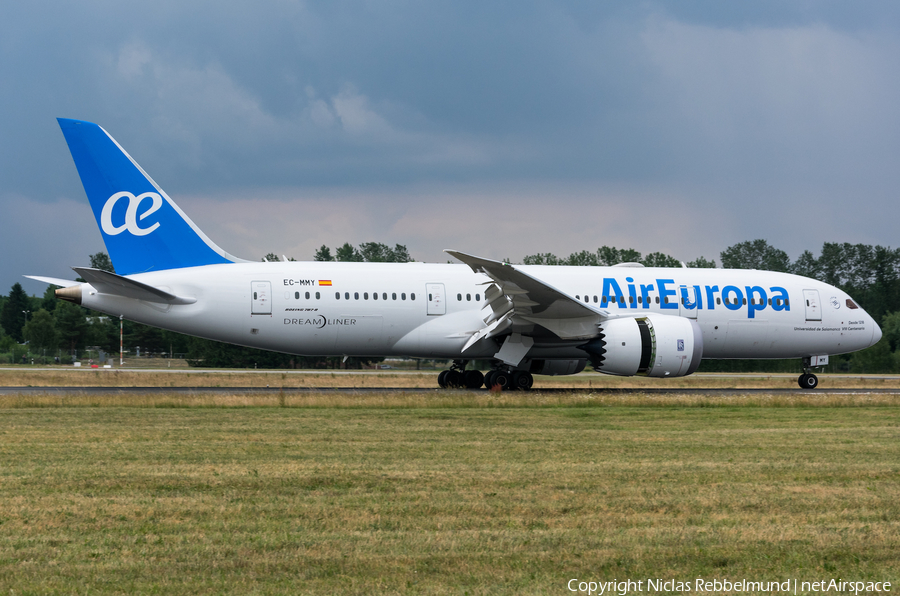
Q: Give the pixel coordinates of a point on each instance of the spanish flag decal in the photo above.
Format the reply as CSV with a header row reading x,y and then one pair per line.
x,y
324,282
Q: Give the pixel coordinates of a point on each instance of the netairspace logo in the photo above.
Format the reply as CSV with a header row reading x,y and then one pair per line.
x,y
724,586
131,216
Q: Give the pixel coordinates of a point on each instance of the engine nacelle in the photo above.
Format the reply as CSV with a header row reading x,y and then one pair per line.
x,y
557,367
652,345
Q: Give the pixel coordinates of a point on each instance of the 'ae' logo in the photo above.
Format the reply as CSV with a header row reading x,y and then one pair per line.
x,y
131,213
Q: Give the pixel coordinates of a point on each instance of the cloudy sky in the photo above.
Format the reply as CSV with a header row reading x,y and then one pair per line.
x,y
502,129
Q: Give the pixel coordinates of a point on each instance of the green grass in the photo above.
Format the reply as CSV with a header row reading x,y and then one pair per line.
x,y
449,500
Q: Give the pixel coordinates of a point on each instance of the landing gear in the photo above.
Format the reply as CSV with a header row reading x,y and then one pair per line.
x,y
521,380
450,379
808,380
457,377
460,378
473,379
498,378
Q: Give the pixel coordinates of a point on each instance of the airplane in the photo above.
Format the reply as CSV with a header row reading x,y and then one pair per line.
x,y
523,319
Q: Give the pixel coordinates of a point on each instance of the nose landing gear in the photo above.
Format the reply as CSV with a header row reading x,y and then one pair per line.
x,y
808,380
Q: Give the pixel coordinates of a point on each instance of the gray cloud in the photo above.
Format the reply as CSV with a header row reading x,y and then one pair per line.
x,y
501,129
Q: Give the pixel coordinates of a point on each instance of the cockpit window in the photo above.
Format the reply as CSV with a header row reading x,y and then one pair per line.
x,y
851,304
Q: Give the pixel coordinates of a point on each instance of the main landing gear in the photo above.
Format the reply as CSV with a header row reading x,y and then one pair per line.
x,y
460,378
520,379
808,380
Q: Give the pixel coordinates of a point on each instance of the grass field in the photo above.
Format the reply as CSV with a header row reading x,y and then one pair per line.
x,y
448,493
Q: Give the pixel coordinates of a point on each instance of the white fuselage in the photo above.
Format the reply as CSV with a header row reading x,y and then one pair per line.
x,y
431,310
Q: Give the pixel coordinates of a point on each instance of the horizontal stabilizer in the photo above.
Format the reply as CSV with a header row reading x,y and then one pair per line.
x,y
110,283
53,281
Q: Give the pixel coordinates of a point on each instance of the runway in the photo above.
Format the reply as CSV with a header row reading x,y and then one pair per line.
x,y
435,391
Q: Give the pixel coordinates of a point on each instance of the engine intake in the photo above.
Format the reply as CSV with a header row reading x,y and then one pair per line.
x,y
652,346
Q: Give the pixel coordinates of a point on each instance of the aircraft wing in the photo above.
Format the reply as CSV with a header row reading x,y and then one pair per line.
x,y
519,301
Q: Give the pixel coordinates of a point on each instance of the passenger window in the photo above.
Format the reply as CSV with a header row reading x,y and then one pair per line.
x,y
657,299
254,295
384,295
459,297
631,300
403,296
468,297
477,297
577,297
337,295
346,295
718,301
412,296
297,296
318,295
595,299
307,295
374,295
394,296
356,295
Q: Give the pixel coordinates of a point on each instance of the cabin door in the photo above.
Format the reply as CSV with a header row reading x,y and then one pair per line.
x,y
437,303
688,302
261,298
813,308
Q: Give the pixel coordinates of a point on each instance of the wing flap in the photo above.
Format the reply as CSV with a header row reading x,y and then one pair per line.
x,y
532,301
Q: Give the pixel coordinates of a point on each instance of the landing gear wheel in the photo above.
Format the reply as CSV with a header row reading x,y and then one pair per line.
x,y
522,380
442,379
808,381
489,379
473,379
501,379
454,379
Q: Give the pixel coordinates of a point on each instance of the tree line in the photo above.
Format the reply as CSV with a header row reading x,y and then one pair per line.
x,y
871,274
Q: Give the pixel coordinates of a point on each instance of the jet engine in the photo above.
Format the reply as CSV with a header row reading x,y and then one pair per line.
x,y
652,345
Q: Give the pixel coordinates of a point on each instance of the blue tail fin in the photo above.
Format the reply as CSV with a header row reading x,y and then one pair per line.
x,y
144,230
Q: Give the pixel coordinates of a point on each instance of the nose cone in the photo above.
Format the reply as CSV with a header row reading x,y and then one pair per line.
x,y
876,334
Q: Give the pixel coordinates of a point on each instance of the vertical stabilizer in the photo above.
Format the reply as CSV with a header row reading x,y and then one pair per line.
x,y
144,230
